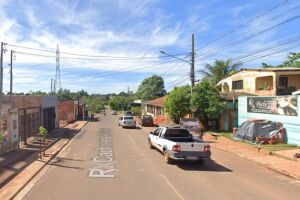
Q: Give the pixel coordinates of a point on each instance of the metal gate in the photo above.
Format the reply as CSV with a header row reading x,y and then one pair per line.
x,y
29,122
49,118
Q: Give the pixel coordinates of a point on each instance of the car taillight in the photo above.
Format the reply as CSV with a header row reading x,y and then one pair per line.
x,y
206,148
176,148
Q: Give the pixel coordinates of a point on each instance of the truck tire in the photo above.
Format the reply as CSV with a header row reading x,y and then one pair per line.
x,y
150,144
167,157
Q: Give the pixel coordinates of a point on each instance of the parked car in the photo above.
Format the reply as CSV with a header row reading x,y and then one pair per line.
x,y
147,120
177,143
128,113
113,112
127,121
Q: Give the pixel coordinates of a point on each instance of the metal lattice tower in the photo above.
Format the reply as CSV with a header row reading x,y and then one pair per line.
x,y
57,81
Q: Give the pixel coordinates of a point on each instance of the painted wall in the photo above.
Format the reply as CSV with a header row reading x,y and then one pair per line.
x,y
291,123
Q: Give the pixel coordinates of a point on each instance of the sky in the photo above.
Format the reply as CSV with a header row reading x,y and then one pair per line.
x,y
108,46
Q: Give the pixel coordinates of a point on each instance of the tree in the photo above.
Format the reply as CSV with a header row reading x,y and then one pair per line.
x,y
292,60
119,103
151,88
94,105
177,102
219,70
207,102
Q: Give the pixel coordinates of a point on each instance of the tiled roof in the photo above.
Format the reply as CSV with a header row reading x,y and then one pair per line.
x,y
156,102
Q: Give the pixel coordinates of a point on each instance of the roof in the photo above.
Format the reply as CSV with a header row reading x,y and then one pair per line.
x,y
273,69
228,96
156,102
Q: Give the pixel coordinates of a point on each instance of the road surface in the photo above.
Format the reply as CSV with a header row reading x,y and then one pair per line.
x,y
105,161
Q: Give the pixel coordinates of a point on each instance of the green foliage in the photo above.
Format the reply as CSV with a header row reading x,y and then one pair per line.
x,y
137,111
120,103
94,105
219,70
42,131
292,60
151,88
206,99
177,102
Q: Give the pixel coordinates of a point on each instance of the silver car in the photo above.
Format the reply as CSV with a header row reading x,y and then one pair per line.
x,y
127,122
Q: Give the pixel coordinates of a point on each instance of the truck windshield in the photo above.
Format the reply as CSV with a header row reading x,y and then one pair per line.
x,y
177,133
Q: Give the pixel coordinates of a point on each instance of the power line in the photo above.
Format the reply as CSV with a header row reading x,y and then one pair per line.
x,y
254,32
286,43
248,22
91,57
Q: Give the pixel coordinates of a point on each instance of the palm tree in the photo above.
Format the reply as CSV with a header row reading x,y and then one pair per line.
x,y
219,70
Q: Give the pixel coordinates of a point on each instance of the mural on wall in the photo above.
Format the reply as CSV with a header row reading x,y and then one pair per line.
x,y
280,105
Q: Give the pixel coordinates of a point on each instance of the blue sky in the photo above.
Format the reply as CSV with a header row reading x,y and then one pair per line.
x,y
129,36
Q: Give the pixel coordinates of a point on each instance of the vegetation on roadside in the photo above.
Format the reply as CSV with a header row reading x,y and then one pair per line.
x,y
219,70
177,102
206,100
151,88
292,60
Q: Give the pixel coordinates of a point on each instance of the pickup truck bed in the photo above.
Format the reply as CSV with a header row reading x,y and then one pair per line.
x,y
178,144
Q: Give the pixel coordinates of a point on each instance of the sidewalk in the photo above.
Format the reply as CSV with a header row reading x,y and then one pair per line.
x,y
26,160
285,165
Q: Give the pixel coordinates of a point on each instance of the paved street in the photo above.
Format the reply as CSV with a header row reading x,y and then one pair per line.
x,y
81,172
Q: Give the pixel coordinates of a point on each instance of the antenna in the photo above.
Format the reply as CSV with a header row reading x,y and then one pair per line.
x,y
57,82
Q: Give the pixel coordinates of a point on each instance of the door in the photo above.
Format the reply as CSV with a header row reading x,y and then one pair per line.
x,y
154,138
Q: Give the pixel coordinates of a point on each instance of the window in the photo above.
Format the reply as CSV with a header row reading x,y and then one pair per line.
x,y
157,131
237,85
283,82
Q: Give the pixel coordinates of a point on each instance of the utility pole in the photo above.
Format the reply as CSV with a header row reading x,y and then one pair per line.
x,y
51,87
11,78
193,64
1,82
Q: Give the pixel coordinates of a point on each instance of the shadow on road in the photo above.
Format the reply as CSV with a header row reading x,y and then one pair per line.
x,y
209,165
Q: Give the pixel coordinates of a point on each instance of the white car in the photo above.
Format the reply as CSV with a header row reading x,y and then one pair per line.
x,y
176,143
127,122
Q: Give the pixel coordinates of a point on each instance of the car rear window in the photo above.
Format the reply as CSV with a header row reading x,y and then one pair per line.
x,y
177,133
147,116
126,118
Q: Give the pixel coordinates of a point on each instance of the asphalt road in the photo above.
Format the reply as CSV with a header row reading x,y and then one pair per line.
x,y
105,161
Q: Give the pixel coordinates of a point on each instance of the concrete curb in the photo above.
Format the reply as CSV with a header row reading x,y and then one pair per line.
x,y
45,163
260,164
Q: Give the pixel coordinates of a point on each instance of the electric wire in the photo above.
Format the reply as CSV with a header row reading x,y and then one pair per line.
x,y
257,31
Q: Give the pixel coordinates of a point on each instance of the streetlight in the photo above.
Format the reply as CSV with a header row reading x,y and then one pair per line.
x,y
175,57
192,74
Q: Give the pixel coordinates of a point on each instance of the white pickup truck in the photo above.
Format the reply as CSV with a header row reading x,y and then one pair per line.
x,y
176,143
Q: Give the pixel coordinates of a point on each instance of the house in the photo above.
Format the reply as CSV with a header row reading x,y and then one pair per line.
x,y
229,118
263,81
23,116
66,112
154,107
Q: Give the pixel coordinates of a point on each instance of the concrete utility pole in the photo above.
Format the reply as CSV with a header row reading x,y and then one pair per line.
x,y
11,78
1,81
51,87
193,64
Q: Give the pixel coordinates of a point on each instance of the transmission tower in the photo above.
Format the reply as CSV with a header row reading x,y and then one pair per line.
x,y
57,81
